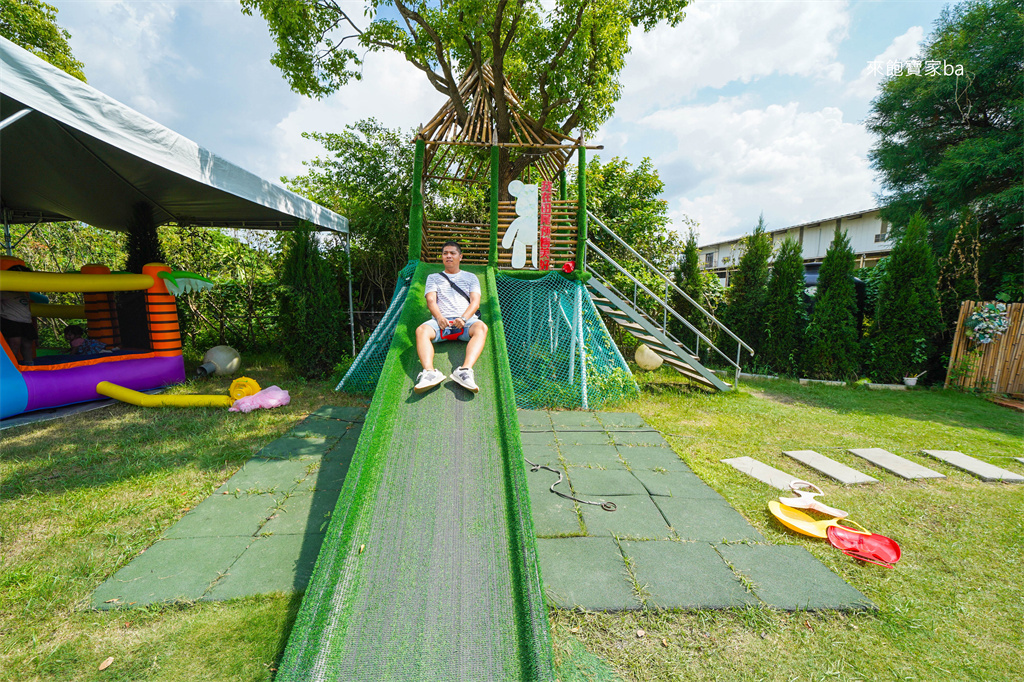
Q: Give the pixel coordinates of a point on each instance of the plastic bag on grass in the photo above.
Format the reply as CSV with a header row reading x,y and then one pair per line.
x,y
272,396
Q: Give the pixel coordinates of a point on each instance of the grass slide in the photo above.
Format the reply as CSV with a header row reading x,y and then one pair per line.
x,y
429,568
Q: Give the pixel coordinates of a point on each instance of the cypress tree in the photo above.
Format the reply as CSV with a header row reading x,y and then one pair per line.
x,y
689,278
907,317
785,316
749,291
832,343
311,324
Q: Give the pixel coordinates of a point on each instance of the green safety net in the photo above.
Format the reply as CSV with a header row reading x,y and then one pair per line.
x,y
429,570
362,376
559,350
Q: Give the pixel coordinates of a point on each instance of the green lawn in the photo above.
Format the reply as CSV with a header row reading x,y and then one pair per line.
x,y
81,496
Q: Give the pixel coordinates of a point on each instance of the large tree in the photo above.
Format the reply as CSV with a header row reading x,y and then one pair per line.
x,y
833,342
563,62
32,24
748,291
951,140
785,312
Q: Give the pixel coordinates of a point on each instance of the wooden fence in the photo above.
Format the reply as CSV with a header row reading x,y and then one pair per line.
x,y
999,367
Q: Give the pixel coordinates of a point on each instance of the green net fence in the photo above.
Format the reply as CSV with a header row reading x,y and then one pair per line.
x,y
362,376
560,352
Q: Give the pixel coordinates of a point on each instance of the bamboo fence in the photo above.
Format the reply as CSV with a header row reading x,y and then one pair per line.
x,y
999,366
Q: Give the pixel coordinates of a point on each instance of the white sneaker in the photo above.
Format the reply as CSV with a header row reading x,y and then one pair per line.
x,y
463,376
427,379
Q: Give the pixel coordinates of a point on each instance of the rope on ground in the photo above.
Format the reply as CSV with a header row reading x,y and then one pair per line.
x,y
607,506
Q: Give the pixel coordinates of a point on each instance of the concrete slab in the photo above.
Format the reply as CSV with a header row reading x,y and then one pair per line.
x,y
706,520
983,470
762,472
676,484
568,420
788,577
279,563
273,476
685,575
895,464
288,447
639,438
607,586
583,438
593,456
349,414
534,420
652,458
622,421
225,515
587,483
1020,459
303,512
170,570
553,515
831,468
636,517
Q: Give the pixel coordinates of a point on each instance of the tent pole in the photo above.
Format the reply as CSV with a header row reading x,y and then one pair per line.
x,y
7,233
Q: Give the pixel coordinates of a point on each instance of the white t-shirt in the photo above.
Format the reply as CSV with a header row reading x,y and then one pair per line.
x,y
14,305
451,303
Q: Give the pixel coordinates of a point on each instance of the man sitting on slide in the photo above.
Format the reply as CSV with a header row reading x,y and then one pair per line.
x,y
453,298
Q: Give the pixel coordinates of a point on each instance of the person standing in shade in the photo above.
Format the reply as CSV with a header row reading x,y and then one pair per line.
x,y
453,299
16,322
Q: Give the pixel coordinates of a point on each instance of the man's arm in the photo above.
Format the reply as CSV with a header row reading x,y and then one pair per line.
x,y
435,312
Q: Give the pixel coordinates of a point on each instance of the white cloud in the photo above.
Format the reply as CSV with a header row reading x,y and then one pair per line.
x,y
901,49
722,42
740,160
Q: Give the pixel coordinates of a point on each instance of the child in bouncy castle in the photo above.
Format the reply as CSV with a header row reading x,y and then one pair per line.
x,y
16,322
75,337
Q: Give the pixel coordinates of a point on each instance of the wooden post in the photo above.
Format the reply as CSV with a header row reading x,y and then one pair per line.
x,y
581,212
492,254
416,204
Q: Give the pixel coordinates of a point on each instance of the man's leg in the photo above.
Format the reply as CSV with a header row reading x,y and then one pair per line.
x,y
425,335
475,346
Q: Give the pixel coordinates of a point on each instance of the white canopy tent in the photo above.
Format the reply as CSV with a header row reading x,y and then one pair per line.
x,y
70,152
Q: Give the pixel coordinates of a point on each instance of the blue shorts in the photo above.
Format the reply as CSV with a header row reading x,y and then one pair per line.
x,y
464,336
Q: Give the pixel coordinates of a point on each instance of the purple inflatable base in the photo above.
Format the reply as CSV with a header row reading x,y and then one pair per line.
x,y
59,387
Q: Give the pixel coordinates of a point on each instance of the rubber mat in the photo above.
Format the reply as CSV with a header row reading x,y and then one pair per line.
x,y
429,566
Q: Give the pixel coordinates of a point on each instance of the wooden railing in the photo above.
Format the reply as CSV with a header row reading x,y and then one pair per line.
x,y
475,238
999,366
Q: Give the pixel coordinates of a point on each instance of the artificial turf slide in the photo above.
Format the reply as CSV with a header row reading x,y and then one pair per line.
x,y
429,567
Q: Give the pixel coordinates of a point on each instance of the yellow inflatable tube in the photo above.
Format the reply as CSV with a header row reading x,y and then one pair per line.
x,y
61,281
127,395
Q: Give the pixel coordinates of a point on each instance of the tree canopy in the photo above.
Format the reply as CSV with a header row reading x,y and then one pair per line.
x,y
952,145
32,24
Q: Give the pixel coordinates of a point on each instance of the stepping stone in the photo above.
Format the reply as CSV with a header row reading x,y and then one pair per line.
x,y
895,464
830,467
706,520
789,577
278,563
1020,459
685,575
607,586
636,517
983,470
762,472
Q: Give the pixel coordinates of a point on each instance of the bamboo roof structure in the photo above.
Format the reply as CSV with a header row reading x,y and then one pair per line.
x,y
458,152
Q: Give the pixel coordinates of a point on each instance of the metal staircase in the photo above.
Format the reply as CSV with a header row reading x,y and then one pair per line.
x,y
654,333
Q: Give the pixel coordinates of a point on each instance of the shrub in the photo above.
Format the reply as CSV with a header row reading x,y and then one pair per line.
x,y
785,316
832,343
749,291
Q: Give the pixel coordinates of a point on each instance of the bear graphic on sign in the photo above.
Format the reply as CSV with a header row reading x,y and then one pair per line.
x,y
523,230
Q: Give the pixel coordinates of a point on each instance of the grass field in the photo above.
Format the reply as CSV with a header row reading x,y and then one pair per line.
x,y
81,496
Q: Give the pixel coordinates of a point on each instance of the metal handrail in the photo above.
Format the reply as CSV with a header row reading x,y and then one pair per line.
x,y
643,313
669,281
663,304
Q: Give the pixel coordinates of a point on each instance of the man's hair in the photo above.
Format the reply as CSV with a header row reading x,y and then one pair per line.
x,y
451,243
74,329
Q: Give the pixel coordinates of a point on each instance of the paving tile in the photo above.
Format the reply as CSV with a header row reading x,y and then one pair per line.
x,y
349,414
639,457
636,517
895,464
685,575
315,427
831,468
788,577
617,421
342,451
604,482
302,512
583,438
278,563
706,520
676,484
329,476
170,570
983,470
762,472
539,438
225,515
594,456
546,455
639,438
575,419
553,515
606,588
288,447
534,420
260,475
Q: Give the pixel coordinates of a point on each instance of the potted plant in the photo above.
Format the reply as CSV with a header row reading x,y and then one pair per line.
x,y
912,379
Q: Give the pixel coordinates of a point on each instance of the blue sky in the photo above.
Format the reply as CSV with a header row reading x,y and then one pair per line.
x,y
746,107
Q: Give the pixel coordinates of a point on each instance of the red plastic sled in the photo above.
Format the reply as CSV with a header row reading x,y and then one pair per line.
x,y
873,548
